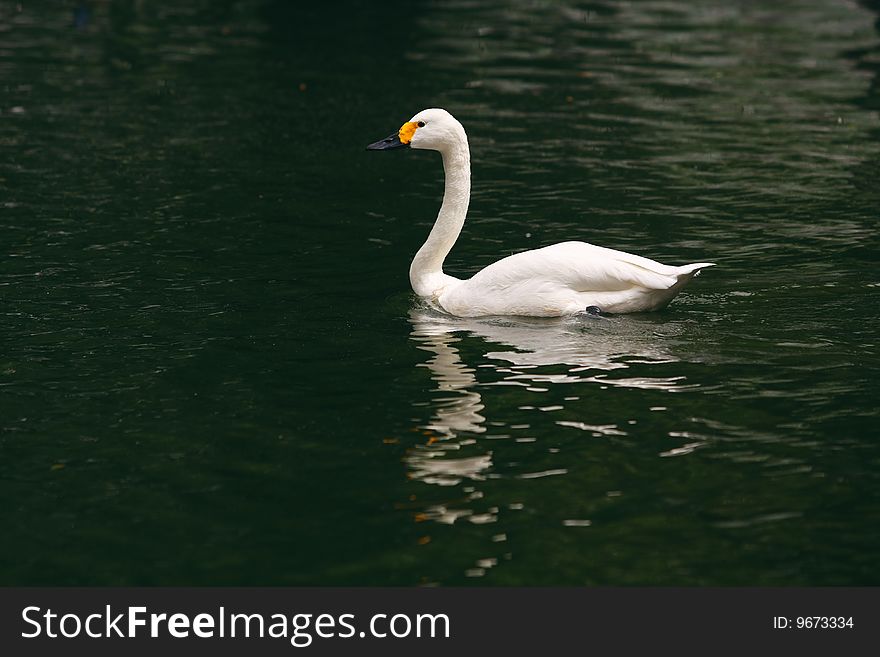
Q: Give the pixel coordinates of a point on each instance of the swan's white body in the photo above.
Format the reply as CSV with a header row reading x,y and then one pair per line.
x,y
562,279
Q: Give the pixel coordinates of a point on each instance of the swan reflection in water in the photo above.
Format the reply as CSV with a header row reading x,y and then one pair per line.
x,y
589,348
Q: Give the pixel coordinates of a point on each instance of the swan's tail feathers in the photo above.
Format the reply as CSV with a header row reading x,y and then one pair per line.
x,y
673,277
693,269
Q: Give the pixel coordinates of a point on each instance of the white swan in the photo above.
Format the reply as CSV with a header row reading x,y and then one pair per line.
x,y
562,279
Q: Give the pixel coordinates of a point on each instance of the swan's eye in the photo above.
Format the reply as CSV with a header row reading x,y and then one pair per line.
x,y
421,124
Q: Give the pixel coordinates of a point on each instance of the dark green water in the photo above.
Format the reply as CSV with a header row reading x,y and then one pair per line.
x,y
212,370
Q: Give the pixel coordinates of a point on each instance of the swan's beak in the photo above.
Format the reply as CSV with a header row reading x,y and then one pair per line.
x,y
392,141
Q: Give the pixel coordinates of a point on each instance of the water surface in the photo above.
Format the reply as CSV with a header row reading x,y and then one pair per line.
x,y
212,370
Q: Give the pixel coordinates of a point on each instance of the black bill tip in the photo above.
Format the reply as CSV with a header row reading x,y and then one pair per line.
x,y
392,141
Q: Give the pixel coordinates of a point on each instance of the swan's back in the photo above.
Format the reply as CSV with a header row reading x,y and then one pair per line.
x,y
565,278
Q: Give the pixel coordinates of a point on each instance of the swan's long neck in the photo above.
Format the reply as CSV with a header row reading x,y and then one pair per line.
x,y
426,272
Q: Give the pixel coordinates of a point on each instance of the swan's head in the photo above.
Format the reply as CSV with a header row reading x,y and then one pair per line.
x,y
431,129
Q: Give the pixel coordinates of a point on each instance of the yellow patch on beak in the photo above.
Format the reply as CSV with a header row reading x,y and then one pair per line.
x,y
406,132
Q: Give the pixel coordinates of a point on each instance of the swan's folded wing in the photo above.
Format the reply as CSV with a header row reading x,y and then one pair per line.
x,y
579,266
611,272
